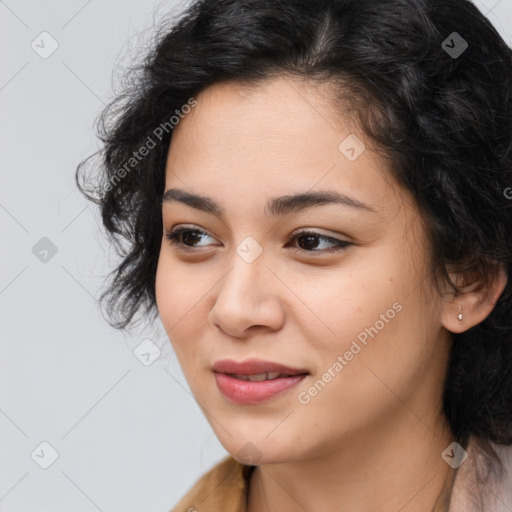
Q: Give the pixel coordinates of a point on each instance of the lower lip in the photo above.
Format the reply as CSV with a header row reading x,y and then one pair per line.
x,y
247,392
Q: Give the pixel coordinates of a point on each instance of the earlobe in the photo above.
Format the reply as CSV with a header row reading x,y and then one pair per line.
x,y
475,302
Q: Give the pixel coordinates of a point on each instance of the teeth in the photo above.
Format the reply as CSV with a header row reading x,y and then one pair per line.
x,y
257,378
260,377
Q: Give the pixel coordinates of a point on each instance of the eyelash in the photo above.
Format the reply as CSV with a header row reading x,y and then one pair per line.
x,y
174,236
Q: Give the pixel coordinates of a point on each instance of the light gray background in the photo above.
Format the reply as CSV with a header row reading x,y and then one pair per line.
x,y
129,437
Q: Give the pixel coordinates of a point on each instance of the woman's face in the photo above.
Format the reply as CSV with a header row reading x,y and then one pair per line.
x,y
351,306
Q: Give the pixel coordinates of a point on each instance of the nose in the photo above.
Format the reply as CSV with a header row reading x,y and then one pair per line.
x,y
248,299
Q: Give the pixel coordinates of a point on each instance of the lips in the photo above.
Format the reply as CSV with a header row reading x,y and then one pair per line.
x,y
255,381
255,367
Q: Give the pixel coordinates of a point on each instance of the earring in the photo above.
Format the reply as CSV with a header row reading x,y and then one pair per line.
x,y
460,317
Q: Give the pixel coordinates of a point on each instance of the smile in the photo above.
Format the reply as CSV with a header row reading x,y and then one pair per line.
x,y
255,389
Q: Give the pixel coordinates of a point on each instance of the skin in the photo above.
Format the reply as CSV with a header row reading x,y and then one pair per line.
x,y
372,439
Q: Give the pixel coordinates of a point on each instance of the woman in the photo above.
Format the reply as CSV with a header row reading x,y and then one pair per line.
x,y
314,197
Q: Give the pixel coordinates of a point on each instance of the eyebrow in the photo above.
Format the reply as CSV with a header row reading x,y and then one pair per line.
x,y
276,206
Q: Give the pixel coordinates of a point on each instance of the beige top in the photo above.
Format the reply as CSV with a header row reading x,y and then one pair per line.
x,y
224,488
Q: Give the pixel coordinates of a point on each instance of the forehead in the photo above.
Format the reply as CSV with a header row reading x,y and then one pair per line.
x,y
276,138
271,111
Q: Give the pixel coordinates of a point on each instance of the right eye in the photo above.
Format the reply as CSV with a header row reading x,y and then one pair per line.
x,y
186,238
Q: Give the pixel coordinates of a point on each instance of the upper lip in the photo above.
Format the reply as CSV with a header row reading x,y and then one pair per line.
x,y
254,367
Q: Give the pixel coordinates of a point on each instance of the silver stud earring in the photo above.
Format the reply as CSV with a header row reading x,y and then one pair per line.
x,y
460,317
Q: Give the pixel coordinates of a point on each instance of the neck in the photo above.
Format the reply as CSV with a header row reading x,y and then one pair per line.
x,y
442,503
391,469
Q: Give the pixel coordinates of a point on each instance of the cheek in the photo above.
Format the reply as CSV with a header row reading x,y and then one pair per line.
x,y
359,381
183,297
176,290
374,317
346,302
166,292
375,359
175,302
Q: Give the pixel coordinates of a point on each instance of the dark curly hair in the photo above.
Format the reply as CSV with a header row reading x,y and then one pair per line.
x,y
443,121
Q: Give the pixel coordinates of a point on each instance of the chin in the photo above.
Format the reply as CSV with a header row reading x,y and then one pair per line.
x,y
256,452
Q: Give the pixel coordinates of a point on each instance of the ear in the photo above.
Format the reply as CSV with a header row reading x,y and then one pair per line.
x,y
476,300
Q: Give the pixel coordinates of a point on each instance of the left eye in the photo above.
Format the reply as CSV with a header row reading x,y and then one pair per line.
x,y
187,238
311,239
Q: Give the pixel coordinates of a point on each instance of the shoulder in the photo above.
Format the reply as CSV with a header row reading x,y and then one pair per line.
x,y
222,489
504,488
481,487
